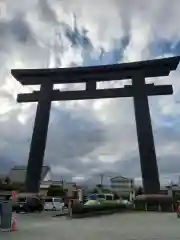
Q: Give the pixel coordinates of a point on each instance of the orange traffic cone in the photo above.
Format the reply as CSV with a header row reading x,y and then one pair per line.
x,y
13,225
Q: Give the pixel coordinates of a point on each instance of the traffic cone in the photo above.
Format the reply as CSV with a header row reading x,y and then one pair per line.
x,y
13,225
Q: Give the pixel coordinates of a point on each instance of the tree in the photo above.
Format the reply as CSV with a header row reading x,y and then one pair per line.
x,y
95,190
116,196
1,184
7,181
106,190
55,191
17,187
99,186
139,191
12,187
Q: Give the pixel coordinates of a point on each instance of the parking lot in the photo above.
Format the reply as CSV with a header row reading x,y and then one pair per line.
x,y
125,226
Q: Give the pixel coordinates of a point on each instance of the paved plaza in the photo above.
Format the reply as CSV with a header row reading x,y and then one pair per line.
x,y
125,226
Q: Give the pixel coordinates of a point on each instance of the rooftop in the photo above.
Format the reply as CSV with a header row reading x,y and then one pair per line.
x,y
150,68
120,177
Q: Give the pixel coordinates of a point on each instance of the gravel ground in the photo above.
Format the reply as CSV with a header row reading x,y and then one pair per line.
x,y
125,226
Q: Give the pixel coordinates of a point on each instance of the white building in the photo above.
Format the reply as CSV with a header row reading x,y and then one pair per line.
x,y
123,186
18,174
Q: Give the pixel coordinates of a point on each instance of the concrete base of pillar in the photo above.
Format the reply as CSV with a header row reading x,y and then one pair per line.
x,y
154,202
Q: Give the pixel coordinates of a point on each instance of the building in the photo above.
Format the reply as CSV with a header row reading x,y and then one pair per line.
x,y
18,174
123,186
171,190
67,186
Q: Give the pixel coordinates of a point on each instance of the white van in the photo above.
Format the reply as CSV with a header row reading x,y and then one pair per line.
x,y
55,204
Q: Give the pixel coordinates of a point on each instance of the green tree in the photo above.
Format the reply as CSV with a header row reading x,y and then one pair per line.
x,y
55,191
7,181
1,184
95,190
116,196
106,190
12,187
19,187
139,191
100,186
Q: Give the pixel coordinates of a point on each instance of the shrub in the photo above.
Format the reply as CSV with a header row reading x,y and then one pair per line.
x,y
80,209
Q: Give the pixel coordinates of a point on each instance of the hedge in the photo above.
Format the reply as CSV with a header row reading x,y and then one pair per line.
x,y
83,209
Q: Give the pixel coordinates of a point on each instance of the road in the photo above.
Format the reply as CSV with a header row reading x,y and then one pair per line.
x,y
125,226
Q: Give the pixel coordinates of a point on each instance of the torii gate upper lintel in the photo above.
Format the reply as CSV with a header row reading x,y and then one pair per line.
x,y
139,90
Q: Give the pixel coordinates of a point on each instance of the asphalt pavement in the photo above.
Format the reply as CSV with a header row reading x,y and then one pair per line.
x,y
125,226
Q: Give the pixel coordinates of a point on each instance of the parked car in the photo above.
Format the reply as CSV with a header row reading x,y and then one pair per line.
x,y
55,204
28,204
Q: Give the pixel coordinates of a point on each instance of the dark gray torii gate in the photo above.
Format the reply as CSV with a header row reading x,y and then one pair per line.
x,y
139,90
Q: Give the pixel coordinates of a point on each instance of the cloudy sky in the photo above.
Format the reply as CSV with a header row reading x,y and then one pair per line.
x,y
88,137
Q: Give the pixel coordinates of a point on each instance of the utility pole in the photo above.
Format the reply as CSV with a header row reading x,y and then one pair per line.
x,y
62,182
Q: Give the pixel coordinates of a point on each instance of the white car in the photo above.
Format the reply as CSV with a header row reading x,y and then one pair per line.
x,y
54,204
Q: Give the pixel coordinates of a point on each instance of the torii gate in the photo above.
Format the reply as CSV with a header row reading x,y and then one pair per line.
x,y
139,90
